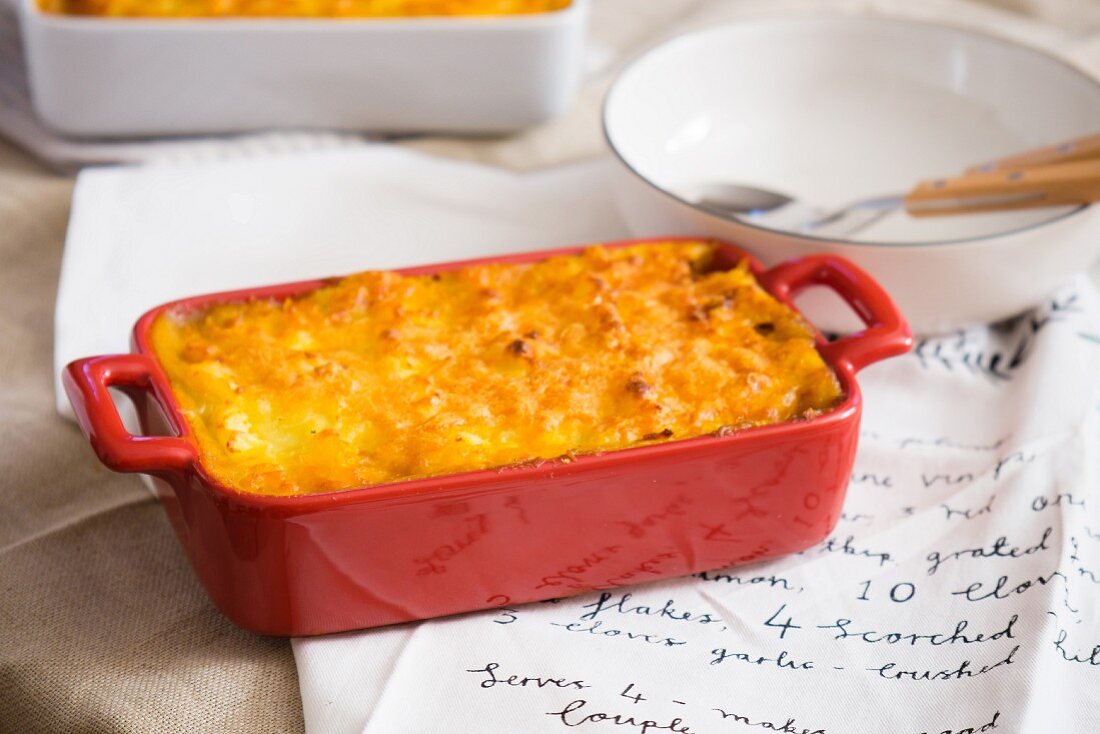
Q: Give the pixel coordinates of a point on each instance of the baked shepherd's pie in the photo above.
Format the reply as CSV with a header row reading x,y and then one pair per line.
x,y
380,377
297,8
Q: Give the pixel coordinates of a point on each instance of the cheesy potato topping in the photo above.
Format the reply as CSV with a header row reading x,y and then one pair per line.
x,y
380,377
297,8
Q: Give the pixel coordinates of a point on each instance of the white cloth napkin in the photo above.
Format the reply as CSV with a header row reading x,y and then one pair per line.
x,y
959,593
901,622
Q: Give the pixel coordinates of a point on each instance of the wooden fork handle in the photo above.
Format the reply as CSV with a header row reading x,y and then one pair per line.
x,y
1080,149
1054,185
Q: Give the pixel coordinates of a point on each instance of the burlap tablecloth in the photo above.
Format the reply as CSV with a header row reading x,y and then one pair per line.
x,y
103,627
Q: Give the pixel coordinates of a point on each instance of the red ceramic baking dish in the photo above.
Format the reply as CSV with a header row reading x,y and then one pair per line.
x,y
359,558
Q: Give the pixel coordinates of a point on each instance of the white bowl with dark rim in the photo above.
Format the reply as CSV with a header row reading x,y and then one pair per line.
x,y
834,108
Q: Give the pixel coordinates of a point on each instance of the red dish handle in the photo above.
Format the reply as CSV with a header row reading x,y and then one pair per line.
x,y
86,382
887,334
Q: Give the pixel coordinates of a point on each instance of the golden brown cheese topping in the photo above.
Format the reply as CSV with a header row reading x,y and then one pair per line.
x,y
380,377
298,8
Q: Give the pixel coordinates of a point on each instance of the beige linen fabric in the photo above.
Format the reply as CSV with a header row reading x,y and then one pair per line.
x,y
103,627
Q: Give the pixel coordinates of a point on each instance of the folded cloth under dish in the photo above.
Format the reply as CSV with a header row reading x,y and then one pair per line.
x,y
958,590
957,593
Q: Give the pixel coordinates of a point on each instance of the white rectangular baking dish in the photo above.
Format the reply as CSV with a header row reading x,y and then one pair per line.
x,y
111,77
